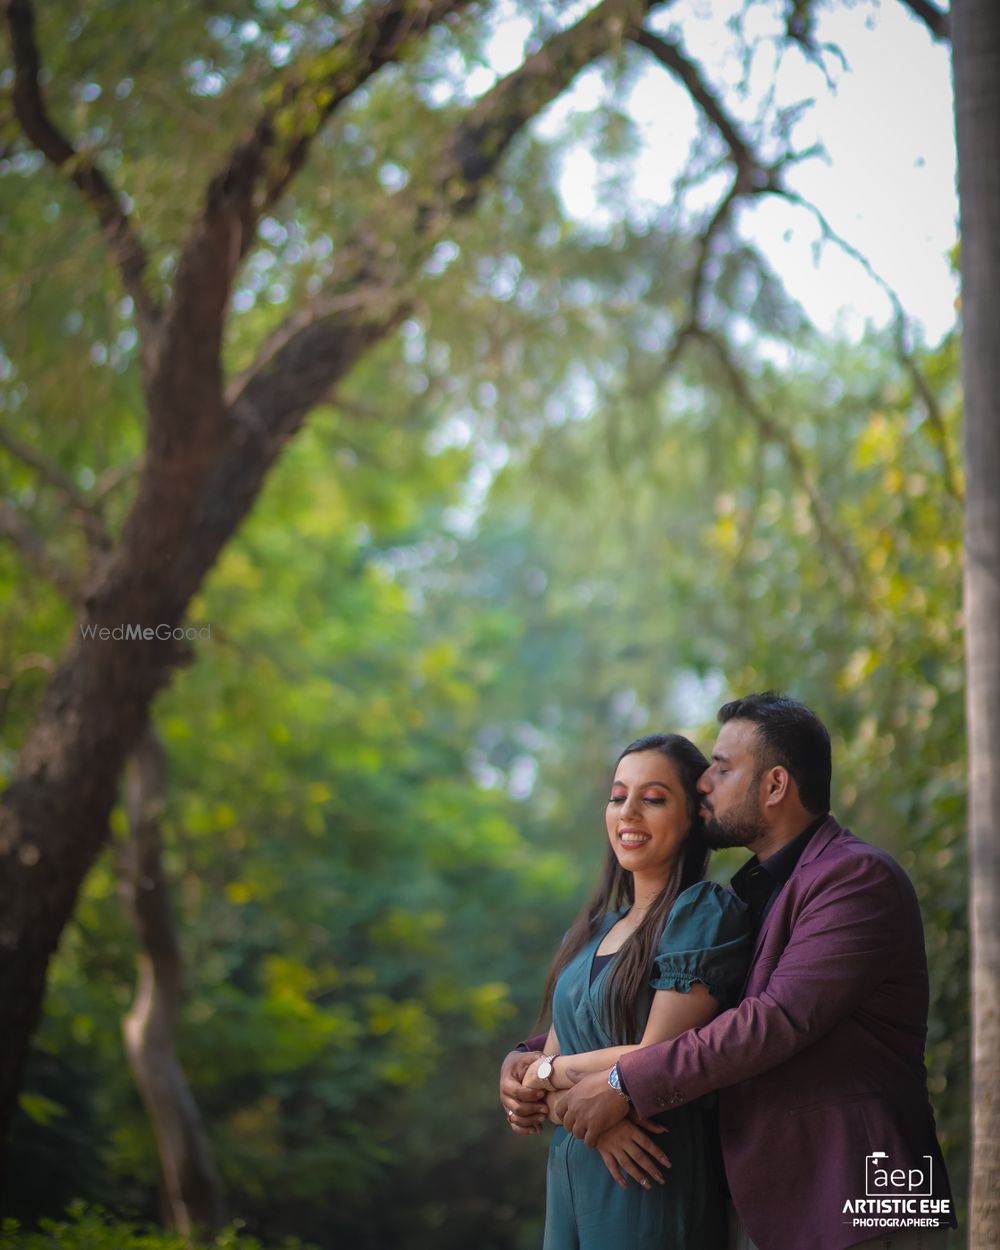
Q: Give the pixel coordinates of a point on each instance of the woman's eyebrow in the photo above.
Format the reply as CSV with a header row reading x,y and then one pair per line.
x,y
665,785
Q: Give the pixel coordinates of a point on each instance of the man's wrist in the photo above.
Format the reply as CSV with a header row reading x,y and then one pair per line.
x,y
615,1083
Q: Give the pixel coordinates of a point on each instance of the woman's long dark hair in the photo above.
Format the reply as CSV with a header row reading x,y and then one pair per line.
x,y
629,974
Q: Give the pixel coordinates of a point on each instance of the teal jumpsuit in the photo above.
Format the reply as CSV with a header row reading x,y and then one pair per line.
x,y
707,938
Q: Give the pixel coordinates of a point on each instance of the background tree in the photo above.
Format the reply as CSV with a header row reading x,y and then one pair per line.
x,y
210,440
977,116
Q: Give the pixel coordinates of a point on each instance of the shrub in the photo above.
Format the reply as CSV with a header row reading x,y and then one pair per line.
x,y
90,1228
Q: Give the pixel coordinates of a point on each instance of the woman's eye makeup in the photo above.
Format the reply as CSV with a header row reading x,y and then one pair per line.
x,y
619,796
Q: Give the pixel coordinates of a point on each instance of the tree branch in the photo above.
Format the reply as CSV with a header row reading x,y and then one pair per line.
x,y
149,1030
78,504
480,139
772,431
935,417
33,660
16,530
752,176
751,172
113,477
384,35
901,330
80,166
256,174
718,219
937,21
196,489
372,285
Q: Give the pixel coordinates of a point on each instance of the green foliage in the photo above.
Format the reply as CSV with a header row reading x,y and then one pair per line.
x,y
512,541
92,1229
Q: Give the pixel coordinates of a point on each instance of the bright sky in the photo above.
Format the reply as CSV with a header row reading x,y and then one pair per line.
x,y
888,187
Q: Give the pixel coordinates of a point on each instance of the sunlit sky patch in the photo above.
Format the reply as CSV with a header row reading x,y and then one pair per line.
x,y
887,186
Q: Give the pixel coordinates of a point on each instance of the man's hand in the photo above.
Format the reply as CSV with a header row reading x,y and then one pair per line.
x,y
530,1078
526,1108
626,1148
593,1107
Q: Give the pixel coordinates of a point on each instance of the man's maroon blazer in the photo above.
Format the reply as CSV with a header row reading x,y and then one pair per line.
x,y
820,1069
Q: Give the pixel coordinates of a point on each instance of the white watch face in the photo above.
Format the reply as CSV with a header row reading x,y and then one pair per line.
x,y
545,1069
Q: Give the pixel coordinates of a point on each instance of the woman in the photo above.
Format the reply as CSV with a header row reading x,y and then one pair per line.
x,y
657,950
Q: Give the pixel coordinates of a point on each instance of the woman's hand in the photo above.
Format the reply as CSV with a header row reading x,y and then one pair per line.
x,y
627,1148
556,1103
531,1079
526,1108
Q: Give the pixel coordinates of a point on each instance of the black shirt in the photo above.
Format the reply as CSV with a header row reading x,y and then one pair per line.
x,y
759,882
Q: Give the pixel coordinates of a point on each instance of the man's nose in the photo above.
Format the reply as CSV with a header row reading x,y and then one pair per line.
x,y
704,785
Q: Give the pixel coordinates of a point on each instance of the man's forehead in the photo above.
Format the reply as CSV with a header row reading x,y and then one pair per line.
x,y
735,738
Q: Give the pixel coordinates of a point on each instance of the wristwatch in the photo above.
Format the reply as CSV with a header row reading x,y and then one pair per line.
x,y
545,1068
615,1081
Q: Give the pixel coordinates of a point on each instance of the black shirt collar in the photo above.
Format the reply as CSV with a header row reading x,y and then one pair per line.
x,y
780,866
757,883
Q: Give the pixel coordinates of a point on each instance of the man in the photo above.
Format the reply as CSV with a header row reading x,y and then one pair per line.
x,y
827,1132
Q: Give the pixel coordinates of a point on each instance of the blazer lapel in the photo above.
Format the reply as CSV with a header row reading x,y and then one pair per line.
x,y
817,845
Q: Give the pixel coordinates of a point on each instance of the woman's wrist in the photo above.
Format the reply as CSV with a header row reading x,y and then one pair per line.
x,y
546,1071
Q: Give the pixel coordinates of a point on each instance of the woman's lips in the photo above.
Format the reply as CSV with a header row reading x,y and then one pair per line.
x,y
630,838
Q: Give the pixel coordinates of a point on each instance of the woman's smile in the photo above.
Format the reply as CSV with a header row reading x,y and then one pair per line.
x,y
632,837
647,818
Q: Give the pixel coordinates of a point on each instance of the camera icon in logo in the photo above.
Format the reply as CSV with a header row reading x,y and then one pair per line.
x,y
884,1181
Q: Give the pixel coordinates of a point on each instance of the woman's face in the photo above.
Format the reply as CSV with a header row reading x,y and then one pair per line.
x,y
647,814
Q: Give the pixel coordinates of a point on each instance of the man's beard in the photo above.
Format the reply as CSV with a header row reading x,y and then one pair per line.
x,y
742,826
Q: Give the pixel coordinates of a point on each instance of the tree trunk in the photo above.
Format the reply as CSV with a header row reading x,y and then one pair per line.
x,y
193,1191
976,44
54,816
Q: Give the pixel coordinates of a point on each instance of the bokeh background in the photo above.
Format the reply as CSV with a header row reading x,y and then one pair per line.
x,y
670,414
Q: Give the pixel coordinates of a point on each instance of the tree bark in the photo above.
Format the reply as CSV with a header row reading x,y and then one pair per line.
x,y
976,44
193,1192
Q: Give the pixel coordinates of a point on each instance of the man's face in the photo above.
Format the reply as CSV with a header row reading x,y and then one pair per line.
x,y
731,789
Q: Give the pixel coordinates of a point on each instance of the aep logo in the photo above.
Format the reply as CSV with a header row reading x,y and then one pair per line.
x,y
884,1181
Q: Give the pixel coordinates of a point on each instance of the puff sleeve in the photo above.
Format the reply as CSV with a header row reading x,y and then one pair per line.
x,y
708,938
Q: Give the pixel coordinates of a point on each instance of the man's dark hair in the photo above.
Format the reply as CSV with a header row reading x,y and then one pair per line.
x,y
791,735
